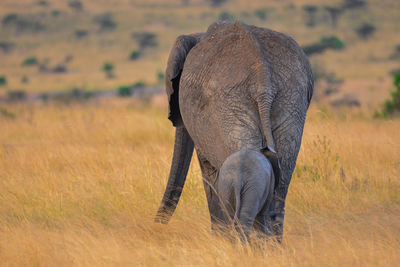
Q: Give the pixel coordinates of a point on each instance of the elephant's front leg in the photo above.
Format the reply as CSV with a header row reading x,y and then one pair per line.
x,y
209,174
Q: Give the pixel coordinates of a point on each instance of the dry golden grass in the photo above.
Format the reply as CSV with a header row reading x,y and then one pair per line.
x,y
79,185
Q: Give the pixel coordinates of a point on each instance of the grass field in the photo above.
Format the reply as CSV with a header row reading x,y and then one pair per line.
x,y
80,184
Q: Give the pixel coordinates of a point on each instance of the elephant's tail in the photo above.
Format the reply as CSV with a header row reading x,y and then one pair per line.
x,y
264,108
183,151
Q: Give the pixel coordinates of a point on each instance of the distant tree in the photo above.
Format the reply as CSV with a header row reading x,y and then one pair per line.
x,y
8,19
75,5
7,46
139,84
330,42
29,61
365,30
216,3
16,95
334,13
145,39
124,91
108,68
55,13
22,23
354,4
81,33
261,13
135,54
3,80
43,3
160,76
105,22
226,16
311,12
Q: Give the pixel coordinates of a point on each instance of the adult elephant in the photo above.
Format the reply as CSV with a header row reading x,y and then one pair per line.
x,y
236,86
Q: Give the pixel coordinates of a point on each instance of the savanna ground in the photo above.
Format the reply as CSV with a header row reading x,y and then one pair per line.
x,y
80,184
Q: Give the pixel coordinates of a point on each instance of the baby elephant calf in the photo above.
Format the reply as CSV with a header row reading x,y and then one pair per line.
x,y
244,188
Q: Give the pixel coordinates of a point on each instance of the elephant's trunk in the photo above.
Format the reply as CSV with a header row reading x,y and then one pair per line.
x,y
183,151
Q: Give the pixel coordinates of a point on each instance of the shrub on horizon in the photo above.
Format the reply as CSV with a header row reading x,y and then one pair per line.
x,y
3,80
365,30
135,54
391,107
30,61
330,42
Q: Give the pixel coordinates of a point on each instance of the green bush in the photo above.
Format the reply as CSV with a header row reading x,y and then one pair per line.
x,y
311,12
391,106
3,80
9,19
55,13
135,54
226,16
160,76
16,95
365,30
261,13
7,46
43,3
30,61
81,33
330,42
108,68
124,91
145,39
353,4
139,84
334,13
105,22
216,3
76,5
23,23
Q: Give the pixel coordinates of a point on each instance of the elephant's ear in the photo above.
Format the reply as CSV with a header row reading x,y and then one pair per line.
x,y
176,60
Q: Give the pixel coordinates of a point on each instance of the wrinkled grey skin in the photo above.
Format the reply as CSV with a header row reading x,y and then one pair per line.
x,y
244,189
236,86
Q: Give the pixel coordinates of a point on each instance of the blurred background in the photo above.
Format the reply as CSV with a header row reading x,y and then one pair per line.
x,y
82,47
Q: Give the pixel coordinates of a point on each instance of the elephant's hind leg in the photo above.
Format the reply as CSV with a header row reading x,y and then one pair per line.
x,y
209,174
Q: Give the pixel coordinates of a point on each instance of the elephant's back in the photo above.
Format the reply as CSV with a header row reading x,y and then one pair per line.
x,y
289,72
215,96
